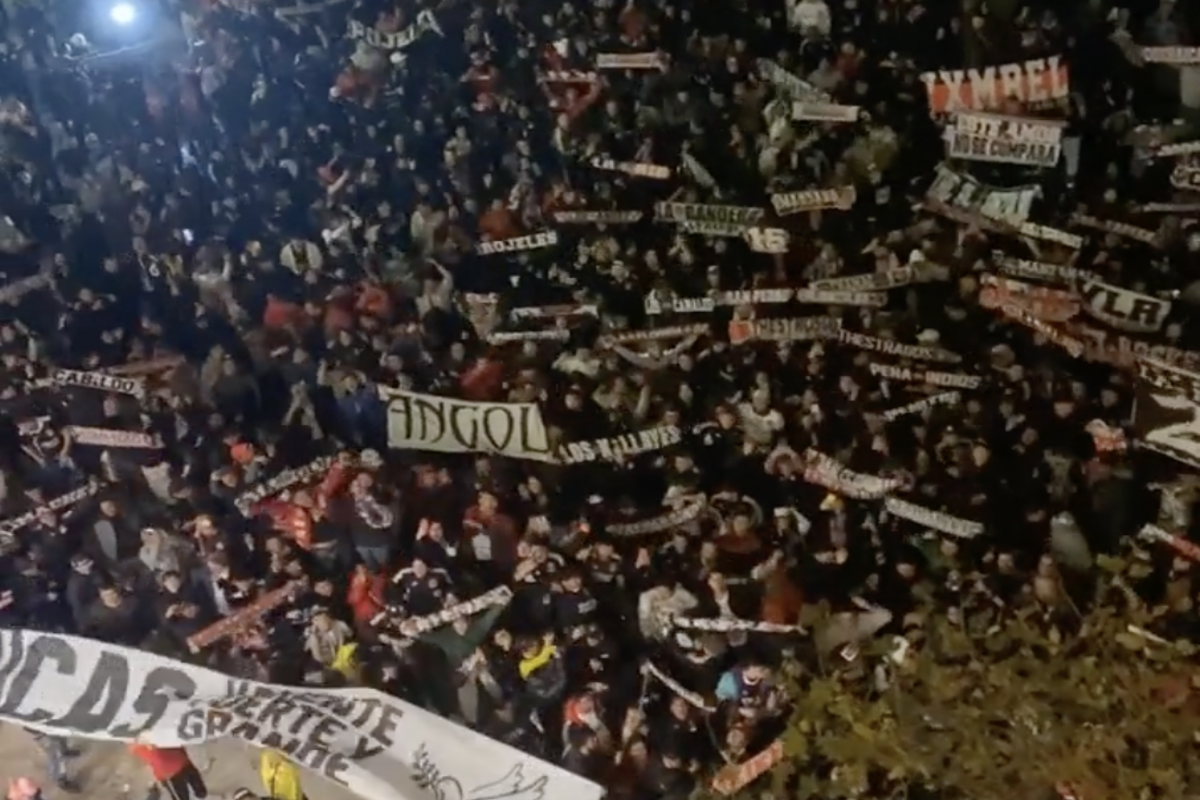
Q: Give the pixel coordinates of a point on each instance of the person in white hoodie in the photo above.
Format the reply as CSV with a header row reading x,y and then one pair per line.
x,y
811,18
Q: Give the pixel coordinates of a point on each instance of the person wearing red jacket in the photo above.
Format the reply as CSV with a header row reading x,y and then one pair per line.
x,y
173,770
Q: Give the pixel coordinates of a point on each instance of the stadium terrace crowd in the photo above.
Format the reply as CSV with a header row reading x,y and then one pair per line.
x,y
781,346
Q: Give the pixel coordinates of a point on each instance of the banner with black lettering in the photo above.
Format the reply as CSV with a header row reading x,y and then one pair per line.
x,y
372,744
1123,309
1166,411
134,387
917,272
634,168
1004,140
518,244
786,203
1124,229
679,213
446,425
1010,205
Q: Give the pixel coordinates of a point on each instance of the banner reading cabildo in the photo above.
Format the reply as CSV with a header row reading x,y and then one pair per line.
x,y
374,745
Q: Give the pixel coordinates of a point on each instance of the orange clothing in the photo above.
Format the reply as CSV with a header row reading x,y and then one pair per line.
x,y
164,762
289,519
497,223
335,482
281,314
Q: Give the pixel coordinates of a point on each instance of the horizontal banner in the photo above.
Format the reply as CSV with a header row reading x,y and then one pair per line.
x,y
935,520
634,168
1170,55
892,348
1035,83
397,40
597,217
700,212
134,387
824,112
532,241
924,404
800,329
949,380
1048,305
1004,140
1118,229
1124,309
310,473
104,437
894,278
614,448
371,744
447,425
786,203
653,60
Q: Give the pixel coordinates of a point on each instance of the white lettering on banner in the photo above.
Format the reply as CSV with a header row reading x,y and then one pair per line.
x,y
105,437
399,39
135,387
824,112
799,329
361,739
1038,270
446,425
787,203
728,230
922,405
772,241
309,473
64,501
1166,411
562,311
635,168
1006,140
505,337
654,60
888,347
920,272
1039,81
965,192
699,212
949,380
531,241
1123,309
1171,55
617,447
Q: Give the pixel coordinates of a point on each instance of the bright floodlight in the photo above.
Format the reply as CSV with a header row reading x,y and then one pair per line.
x,y
122,13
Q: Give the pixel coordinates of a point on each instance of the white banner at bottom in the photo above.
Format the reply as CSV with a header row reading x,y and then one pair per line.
x,y
374,745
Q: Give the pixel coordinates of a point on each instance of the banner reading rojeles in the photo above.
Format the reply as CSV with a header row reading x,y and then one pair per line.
x,y
446,425
374,745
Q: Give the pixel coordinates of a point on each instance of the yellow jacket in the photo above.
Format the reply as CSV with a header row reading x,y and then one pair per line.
x,y
280,777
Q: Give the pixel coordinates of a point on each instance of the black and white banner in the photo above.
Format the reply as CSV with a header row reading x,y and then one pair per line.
x,y
796,329
654,60
789,85
1039,270
824,112
678,213
1170,55
634,168
371,744
935,520
134,387
930,377
300,476
1124,229
965,192
399,39
507,337
106,437
1186,175
827,297
922,405
1004,140
614,448
1123,309
918,352
517,244
786,203
895,278
597,217
686,512
446,425
1166,411
61,503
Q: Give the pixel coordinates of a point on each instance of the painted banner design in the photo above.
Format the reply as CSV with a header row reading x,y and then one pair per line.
x,y
446,425
1037,82
363,740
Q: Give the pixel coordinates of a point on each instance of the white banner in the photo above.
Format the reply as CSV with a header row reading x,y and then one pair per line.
x,y
446,425
1005,140
824,112
106,437
635,168
399,39
375,746
1171,55
135,387
965,192
597,217
700,212
654,60
300,476
64,501
530,241
1123,309
786,203
1143,235
917,272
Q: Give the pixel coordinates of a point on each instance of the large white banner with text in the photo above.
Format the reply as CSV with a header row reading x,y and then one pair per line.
x,y
374,745
446,425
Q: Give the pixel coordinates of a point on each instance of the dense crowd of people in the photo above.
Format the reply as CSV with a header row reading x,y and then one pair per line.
x,y
785,351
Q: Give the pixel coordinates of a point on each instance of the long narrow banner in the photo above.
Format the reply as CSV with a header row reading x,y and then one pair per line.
x,y
1124,309
1049,305
64,501
1004,140
1034,83
654,60
822,470
134,387
104,437
799,329
1016,313
597,217
689,697
1039,270
19,288
652,335
687,513
518,244
446,425
787,203
244,619
301,476
948,380
727,624
824,112
919,406
506,337
886,346
1118,229
634,168
1170,55
399,39
1121,351
895,278
733,778
418,626
1184,547
371,744
618,447
668,211
936,520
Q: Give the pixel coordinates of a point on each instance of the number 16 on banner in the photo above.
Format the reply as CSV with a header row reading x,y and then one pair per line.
x,y
767,240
